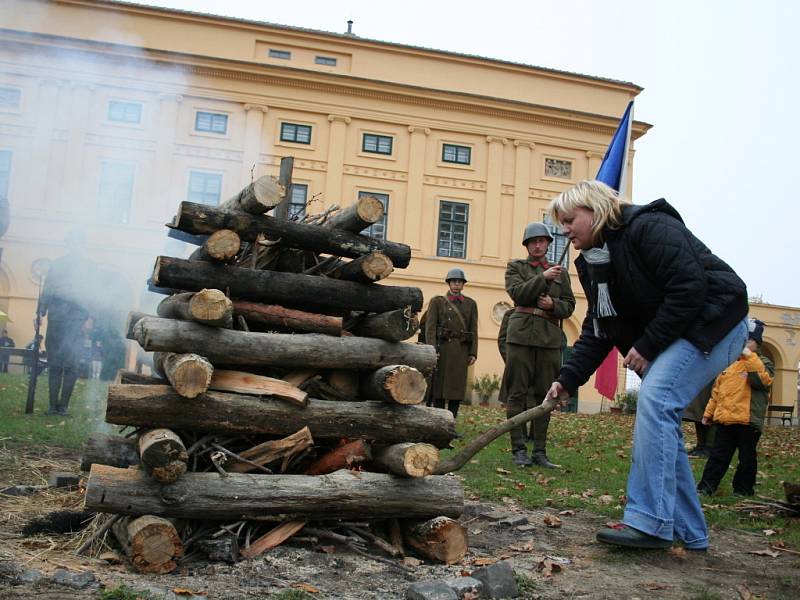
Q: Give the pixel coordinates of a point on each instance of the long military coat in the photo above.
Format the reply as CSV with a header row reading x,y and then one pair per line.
x,y
450,381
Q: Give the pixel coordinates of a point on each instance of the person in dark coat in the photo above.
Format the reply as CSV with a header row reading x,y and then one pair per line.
x,y
451,325
63,296
542,297
677,313
703,433
5,342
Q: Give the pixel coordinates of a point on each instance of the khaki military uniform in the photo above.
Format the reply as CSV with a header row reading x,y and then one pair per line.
x,y
455,336
534,344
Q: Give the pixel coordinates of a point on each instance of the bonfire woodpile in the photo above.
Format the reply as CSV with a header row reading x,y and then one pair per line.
x,y
285,399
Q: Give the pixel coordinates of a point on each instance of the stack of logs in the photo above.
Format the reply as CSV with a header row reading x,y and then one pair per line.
x,y
287,400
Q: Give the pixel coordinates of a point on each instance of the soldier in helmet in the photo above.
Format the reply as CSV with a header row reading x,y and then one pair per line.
x,y
542,297
452,326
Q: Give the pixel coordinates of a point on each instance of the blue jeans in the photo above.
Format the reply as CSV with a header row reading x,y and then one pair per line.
x,y
662,500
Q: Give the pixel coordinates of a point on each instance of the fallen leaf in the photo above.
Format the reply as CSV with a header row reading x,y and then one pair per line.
x,y
552,521
652,586
744,592
187,592
522,546
678,552
567,513
110,557
410,561
503,471
482,562
769,532
548,567
770,553
605,499
519,485
328,549
615,525
305,587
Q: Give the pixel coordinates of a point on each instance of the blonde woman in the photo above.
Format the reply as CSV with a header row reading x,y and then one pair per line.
x,y
677,313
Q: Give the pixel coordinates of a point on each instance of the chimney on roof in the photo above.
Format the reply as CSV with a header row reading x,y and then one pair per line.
x,y
350,27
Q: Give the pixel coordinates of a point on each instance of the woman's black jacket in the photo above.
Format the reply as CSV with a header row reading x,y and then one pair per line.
x,y
665,284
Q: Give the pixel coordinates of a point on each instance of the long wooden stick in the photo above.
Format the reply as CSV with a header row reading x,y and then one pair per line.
x,y
459,460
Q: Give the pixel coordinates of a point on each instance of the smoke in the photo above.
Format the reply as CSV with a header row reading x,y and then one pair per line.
x,y
107,119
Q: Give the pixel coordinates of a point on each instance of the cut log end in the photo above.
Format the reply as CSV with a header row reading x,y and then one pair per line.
x,y
421,460
152,544
223,245
441,539
210,305
406,385
377,266
370,209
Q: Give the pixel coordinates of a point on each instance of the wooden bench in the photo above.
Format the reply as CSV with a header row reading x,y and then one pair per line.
x,y
786,413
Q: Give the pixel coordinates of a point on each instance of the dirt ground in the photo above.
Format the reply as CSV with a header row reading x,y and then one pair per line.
x,y
561,561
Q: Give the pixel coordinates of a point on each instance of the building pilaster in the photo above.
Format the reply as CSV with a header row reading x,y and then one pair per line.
x,y
412,231
492,203
163,198
522,184
334,175
253,134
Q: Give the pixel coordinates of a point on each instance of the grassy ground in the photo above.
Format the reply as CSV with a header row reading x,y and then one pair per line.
x,y
85,410
595,450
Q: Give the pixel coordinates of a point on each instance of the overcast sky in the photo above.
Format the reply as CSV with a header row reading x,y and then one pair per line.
x,y
720,81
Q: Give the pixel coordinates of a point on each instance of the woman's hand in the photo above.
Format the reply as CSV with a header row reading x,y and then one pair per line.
x,y
545,302
635,362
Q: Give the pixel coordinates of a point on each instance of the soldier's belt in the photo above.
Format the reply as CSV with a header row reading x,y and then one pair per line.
x,y
537,312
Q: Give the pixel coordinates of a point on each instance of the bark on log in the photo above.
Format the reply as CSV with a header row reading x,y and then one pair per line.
x,y
207,306
272,315
365,269
257,385
163,455
341,457
457,461
318,294
394,383
224,548
112,450
133,318
221,246
262,195
408,459
364,212
224,346
285,180
190,374
392,326
161,406
151,543
396,536
441,539
201,219
272,450
300,376
132,377
339,495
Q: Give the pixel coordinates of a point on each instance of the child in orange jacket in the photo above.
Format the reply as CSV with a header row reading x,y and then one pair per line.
x,y
738,405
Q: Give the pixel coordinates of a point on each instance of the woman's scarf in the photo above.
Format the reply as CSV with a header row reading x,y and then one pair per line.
x,y
598,261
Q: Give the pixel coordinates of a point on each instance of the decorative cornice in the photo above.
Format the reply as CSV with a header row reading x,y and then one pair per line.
x,y
416,129
203,152
248,107
77,85
452,182
119,142
592,154
498,140
51,81
524,144
342,118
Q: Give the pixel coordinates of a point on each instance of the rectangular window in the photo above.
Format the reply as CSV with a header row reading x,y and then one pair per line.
x,y
5,172
453,222
115,193
297,201
210,122
559,243
10,97
377,144
456,154
328,61
282,54
204,188
377,230
124,112
299,134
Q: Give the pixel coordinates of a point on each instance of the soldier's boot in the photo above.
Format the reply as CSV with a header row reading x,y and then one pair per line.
x,y
70,378
539,458
54,381
521,457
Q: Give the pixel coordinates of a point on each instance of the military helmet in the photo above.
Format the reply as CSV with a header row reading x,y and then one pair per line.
x,y
533,230
455,274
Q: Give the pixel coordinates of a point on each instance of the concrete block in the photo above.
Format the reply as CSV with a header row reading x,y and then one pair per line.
x,y
514,520
430,590
498,580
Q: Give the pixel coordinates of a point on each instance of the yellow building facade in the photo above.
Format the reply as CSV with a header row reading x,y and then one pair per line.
x,y
111,114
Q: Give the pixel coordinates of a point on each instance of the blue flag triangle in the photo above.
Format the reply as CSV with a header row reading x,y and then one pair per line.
x,y
613,169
